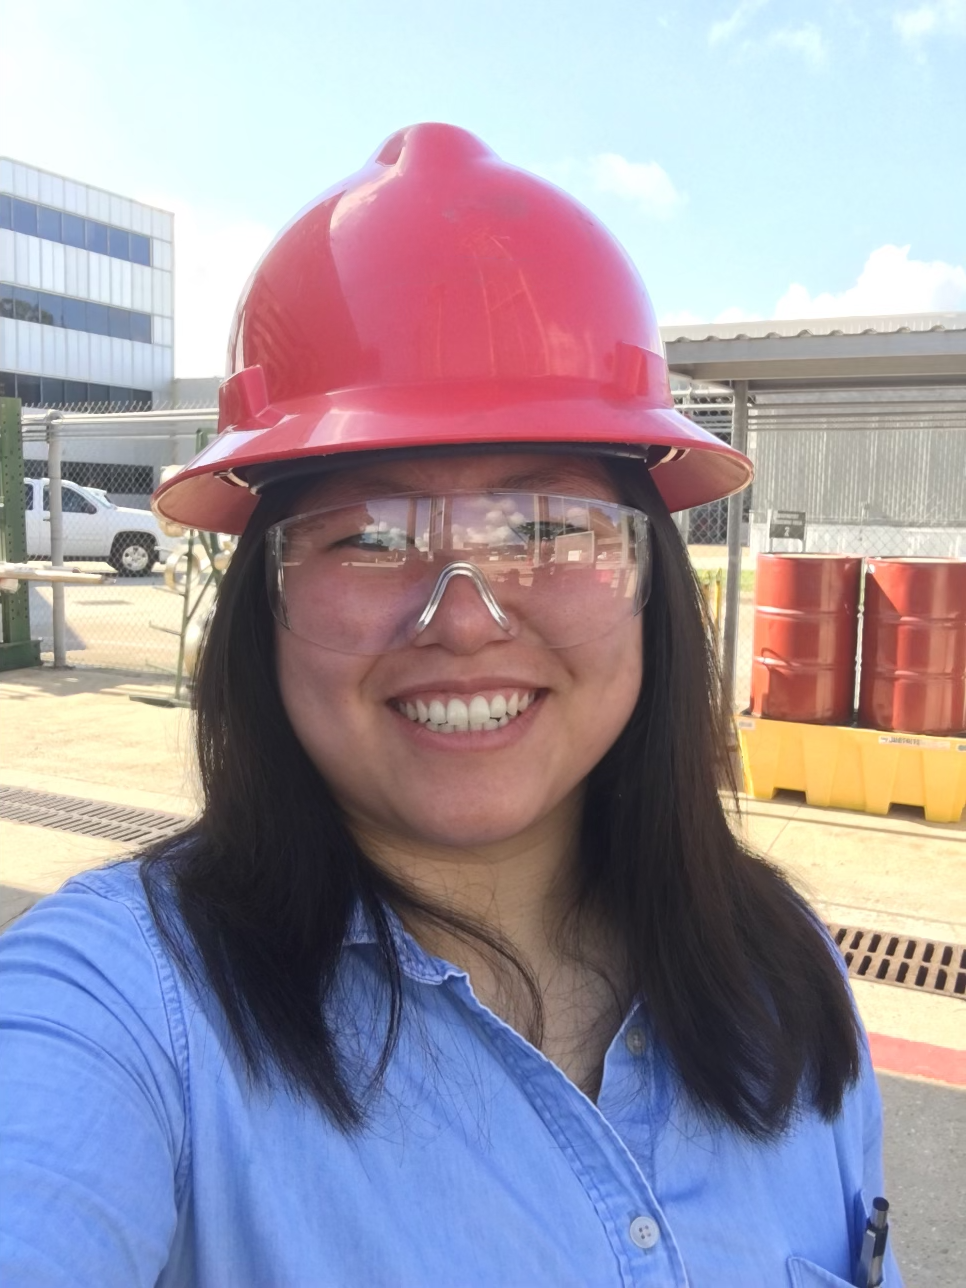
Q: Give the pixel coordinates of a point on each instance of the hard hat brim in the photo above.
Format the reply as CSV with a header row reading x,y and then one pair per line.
x,y
211,491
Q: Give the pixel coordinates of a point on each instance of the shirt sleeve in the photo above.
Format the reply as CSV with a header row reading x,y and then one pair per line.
x,y
92,1106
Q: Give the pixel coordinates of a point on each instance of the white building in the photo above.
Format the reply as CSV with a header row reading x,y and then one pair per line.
x,y
86,294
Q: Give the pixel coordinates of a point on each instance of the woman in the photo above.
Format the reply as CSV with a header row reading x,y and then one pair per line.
x,y
461,978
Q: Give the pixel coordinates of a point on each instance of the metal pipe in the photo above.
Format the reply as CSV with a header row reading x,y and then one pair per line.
x,y
158,416
54,447
739,439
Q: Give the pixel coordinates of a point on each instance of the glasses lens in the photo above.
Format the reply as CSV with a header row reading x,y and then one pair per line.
x,y
357,579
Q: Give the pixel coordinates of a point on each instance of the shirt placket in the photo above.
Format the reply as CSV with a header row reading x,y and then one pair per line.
x,y
645,1250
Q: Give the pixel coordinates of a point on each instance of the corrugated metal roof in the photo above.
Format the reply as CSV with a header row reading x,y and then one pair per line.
x,y
773,328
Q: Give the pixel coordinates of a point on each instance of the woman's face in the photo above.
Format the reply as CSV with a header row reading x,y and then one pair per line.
x,y
401,777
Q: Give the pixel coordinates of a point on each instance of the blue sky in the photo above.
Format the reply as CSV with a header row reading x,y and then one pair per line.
x,y
758,158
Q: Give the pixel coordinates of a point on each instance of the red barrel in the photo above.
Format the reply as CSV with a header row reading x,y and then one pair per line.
x,y
914,646
806,625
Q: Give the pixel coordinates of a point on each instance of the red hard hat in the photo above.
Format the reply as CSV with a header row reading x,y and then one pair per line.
x,y
441,298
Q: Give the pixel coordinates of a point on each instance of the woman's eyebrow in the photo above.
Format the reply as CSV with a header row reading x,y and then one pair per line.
x,y
544,481
534,480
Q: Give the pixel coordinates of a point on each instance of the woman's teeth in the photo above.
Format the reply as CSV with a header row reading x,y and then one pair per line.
x,y
457,716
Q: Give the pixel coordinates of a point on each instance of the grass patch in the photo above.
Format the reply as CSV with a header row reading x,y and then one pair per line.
x,y
707,575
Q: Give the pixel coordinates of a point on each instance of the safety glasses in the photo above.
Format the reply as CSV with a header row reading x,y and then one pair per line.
x,y
371,577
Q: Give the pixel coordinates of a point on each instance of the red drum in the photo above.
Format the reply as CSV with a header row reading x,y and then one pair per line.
x,y
914,646
806,616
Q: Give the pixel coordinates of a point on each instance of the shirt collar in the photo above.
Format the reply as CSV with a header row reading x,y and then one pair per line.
x,y
414,960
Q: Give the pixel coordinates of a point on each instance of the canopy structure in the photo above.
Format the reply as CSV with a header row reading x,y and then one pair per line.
x,y
854,420
920,350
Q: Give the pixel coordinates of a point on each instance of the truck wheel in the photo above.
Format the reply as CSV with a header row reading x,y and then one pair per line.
x,y
133,554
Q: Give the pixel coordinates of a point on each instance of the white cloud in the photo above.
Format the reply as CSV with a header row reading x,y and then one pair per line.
x,y
890,282
805,40
645,183
721,32
213,257
944,17
734,315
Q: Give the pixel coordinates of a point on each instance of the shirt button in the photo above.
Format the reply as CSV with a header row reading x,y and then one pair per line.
x,y
635,1040
645,1232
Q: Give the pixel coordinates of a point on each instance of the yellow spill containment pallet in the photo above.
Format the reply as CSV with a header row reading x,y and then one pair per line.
x,y
859,769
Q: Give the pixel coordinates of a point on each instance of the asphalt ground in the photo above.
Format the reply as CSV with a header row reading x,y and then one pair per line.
x,y
79,733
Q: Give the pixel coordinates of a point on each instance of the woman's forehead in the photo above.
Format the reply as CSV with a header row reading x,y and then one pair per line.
x,y
487,472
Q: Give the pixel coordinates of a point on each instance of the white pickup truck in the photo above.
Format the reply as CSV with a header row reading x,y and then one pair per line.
x,y
95,528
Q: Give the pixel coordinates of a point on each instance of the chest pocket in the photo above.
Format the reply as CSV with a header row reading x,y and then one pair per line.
x,y
806,1274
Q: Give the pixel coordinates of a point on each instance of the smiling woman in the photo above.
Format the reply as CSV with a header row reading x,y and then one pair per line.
x,y
461,976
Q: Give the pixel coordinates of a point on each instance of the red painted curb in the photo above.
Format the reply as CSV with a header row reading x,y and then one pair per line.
x,y
918,1059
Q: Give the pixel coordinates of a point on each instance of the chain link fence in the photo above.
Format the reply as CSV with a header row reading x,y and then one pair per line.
x,y
110,465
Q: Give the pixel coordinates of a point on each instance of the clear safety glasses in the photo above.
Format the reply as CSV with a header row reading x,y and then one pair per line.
x,y
370,577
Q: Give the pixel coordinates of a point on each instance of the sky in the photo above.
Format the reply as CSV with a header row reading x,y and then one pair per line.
x,y
757,158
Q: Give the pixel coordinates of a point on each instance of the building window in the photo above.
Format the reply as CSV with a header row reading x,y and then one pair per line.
x,y
140,327
22,304
119,323
51,391
28,390
140,249
49,224
72,395
95,235
98,318
71,230
76,315
51,309
119,243
24,217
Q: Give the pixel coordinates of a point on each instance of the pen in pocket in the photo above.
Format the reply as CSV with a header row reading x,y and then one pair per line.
x,y
874,1245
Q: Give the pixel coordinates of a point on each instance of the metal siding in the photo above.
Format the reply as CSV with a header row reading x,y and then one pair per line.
x,y
141,288
8,255
100,368
8,344
78,355
54,350
906,477
76,279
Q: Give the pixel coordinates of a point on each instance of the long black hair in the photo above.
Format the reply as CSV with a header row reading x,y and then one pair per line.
x,y
739,980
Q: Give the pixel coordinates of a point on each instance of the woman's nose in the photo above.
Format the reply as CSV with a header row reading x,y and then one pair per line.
x,y
462,615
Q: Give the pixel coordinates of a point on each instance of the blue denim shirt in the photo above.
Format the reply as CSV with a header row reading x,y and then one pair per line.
x,y
137,1152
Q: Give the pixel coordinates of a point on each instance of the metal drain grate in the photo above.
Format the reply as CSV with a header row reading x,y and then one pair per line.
x,y
135,827
910,961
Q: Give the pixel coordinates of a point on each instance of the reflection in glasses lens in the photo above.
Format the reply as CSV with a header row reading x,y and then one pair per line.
x,y
358,578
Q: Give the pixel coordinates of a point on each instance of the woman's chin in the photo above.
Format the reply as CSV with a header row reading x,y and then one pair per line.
x,y
465,825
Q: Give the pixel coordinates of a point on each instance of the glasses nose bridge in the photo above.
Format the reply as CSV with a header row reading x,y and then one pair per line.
x,y
462,569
